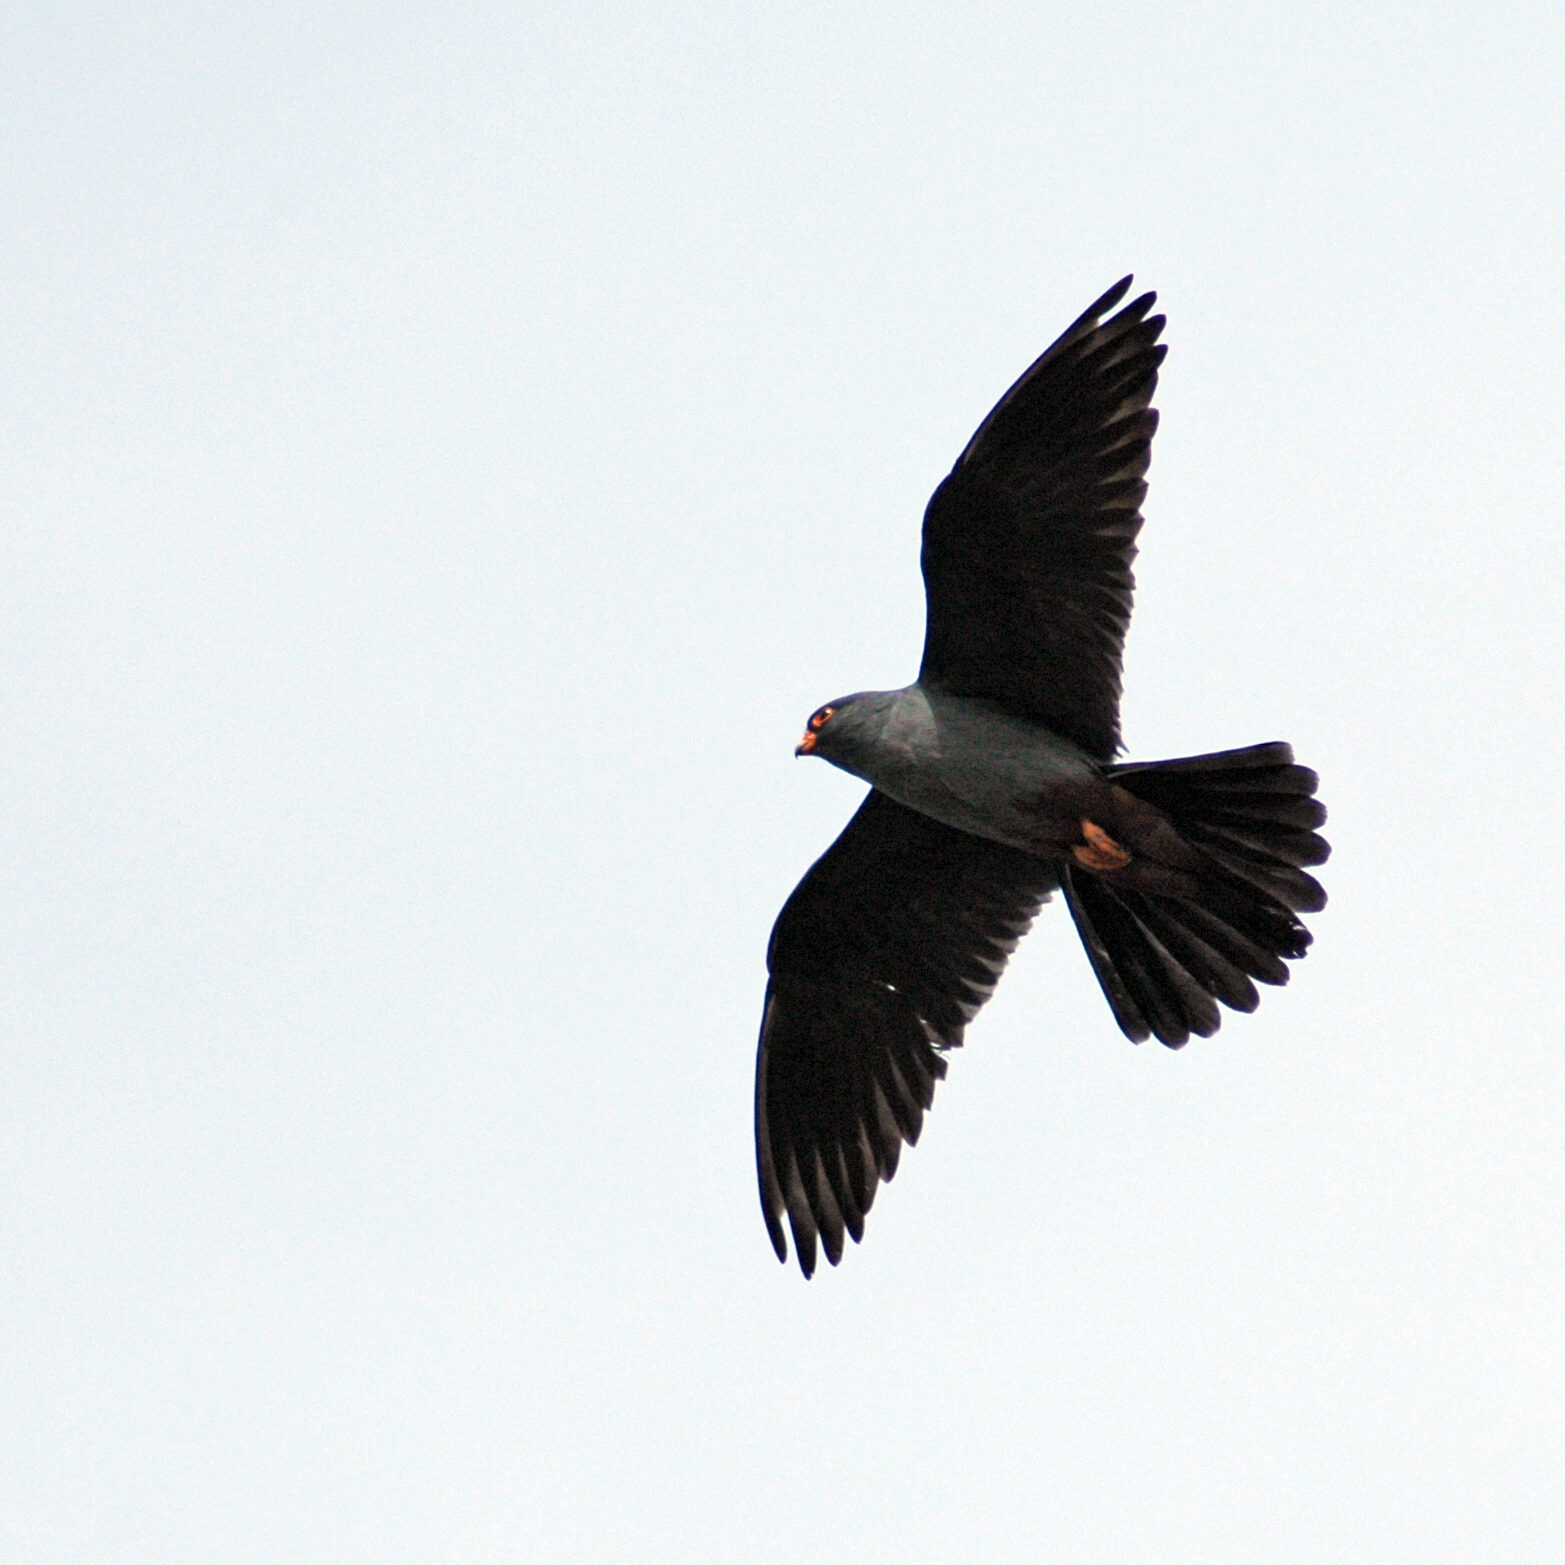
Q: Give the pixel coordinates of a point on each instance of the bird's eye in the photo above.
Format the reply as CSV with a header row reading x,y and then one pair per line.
x,y
820,719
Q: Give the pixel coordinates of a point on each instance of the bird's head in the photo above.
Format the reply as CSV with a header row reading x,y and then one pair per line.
x,y
815,729
847,732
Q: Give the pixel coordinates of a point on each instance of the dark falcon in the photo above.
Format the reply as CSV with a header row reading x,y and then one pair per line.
x,y
994,784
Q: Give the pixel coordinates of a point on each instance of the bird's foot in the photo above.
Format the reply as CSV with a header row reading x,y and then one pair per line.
x,y
1101,852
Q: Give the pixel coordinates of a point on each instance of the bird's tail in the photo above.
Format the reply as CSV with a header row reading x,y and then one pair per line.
x,y
1167,950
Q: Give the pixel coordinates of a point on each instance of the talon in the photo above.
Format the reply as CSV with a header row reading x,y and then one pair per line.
x,y
1101,853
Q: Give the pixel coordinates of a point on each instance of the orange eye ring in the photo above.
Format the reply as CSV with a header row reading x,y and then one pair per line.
x,y
822,717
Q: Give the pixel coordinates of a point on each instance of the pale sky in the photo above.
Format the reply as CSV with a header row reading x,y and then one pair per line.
x,y
446,453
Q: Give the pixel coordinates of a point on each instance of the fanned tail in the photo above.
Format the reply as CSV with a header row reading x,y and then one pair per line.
x,y
1165,960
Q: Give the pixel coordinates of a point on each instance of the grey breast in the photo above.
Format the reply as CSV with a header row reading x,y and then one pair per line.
x,y
972,766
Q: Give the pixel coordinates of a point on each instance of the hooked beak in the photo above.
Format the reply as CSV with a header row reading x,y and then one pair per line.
x,y
807,743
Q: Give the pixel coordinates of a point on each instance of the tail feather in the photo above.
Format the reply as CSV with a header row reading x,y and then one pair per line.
x,y
1263,841
1235,810
1165,960
1205,951
1150,993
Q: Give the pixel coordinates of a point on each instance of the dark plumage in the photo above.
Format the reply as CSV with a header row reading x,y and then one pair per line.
x,y
994,784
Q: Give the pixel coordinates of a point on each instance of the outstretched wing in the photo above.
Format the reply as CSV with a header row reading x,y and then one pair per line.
x,y
1028,543
880,958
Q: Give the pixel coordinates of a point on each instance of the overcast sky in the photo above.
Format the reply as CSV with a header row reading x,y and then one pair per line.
x,y
446,452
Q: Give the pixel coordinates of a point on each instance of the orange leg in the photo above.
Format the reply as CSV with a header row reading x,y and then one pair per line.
x,y
1101,853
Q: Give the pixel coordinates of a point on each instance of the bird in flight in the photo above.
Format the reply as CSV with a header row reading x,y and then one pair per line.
x,y
994,784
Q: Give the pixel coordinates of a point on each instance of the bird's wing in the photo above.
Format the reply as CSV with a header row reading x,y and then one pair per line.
x,y
885,951
1028,543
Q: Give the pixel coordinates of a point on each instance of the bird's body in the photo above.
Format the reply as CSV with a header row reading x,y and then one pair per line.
x,y
962,761
995,784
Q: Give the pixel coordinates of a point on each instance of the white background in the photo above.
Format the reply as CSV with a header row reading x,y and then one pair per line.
x,y
446,451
